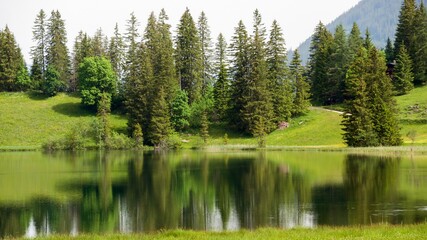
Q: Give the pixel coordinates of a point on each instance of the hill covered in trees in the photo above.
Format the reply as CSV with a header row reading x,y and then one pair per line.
x,y
379,16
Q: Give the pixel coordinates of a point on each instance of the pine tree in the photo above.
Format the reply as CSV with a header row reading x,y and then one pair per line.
x,y
240,72
159,127
279,83
320,51
222,83
188,57
419,56
116,54
389,51
405,27
355,42
357,119
207,52
403,77
338,66
12,72
38,52
57,51
381,101
132,39
204,128
98,44
301,89
368,41
180,111
258,114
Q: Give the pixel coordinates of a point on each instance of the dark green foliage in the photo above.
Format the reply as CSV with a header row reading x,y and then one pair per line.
x,y
116,54
206,51
419,57
320,52
370,118
38,52
381,102
180,111
57,51
259,107
357,120
403,77
52,83
204,127
13,72
99,44
138,136
405,26
159,127
389,51
355,42
279,84
338,65
201,106
240,74
96,78
222,84
103,111
188,57
301,88
82,49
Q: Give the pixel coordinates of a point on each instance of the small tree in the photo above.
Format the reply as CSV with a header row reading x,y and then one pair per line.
x,y
180,111
103,113
403,77
137,135
204,129
52,84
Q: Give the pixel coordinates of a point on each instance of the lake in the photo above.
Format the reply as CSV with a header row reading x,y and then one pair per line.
x,y
123,191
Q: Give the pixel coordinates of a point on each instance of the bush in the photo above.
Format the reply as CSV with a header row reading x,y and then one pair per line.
x,y
119,141
75,140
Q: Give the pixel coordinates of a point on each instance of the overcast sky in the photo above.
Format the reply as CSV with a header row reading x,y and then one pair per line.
x,y
297,18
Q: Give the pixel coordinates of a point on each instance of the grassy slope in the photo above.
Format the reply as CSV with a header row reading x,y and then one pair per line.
x,y
29,120
370,232
413,114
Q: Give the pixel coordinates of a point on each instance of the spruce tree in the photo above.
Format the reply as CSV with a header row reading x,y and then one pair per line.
x,y
320,51
204,127
389,51
381,102
355,42
12,72
82,49
132,39
206,51
357,119
98,44
402,76
419,57
57,51
159,127
279,84
405,27
301,88
188,57
116,54
180,111
338,66
240,73
222,83
257,113
38,52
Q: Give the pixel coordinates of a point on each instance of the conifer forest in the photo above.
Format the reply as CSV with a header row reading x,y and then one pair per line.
x,y
169,79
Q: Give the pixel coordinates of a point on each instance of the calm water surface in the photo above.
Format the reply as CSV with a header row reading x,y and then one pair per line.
x,y
100,192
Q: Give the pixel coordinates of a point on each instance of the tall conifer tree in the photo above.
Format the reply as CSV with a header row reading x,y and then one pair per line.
x,y
207,52
57,51
301,88
222,83
188,57
419,57
38,52
403,77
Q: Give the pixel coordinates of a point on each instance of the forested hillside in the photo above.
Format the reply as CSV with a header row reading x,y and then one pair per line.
x,y
379,16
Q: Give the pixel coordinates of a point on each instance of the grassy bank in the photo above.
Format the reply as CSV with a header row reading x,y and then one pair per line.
x,y
28,120
370,232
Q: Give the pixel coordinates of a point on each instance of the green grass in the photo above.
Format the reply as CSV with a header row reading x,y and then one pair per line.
x,y
413,114
27,120
369,232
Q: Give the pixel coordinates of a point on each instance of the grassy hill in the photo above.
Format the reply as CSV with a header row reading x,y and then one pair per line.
x,y
27,120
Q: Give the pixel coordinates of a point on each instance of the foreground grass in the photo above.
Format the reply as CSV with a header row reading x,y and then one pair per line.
x,y
370,232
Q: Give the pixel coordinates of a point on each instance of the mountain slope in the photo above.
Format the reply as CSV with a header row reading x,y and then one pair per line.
x,y
379,16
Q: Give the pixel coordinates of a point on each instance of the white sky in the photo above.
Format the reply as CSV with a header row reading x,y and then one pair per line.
x,y
297,18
